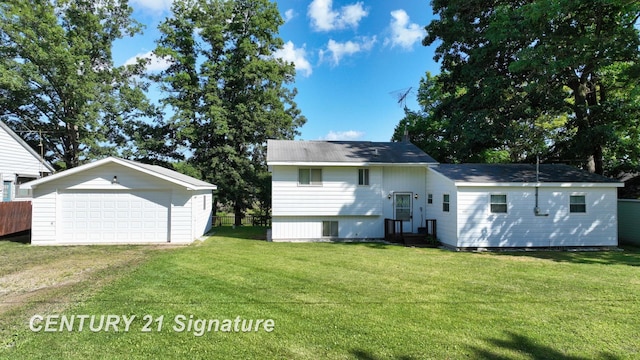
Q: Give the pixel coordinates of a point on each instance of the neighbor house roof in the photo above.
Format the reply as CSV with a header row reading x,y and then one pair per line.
x,y
288,152
19,140
520,173
153,170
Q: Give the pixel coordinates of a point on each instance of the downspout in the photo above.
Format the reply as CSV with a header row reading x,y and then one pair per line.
x,y
536,210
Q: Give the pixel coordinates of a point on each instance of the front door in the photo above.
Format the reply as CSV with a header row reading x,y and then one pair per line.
x,y
402,210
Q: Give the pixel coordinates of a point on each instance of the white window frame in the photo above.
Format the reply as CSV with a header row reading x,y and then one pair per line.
x,y
446,208
310,174
429,199
506,203
363,177
333,225
584,197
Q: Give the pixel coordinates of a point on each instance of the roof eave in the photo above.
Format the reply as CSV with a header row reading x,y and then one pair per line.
x,y
35,183
347,164
539,184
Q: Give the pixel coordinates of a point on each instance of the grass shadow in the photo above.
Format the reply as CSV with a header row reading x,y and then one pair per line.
x,y
630,255
369,244
535,351
240,232
366,355
23,237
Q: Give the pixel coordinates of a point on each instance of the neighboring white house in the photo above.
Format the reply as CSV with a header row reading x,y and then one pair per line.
x,y
119,201
327,190
19,163
507,205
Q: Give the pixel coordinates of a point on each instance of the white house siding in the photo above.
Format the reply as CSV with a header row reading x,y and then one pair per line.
x,y
437,186
339,193
520,227
405,179
15,159
44,217
201,206
309,228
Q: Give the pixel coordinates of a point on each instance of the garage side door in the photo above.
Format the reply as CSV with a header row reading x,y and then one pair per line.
x,y
114,216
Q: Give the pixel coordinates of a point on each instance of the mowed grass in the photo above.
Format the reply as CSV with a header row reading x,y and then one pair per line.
x,y
359,301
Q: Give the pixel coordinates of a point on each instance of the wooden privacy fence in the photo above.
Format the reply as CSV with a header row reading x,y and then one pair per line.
x,y
15,217
247,220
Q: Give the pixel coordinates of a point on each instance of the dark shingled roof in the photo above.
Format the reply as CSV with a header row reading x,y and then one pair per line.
x,y
519,173
345,152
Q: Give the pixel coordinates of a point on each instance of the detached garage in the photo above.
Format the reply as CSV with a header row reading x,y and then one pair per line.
x,y
118,201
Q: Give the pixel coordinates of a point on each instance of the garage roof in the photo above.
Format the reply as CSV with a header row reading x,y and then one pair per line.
x,y
153,170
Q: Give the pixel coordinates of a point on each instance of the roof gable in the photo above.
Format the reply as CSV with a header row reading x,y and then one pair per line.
x,y
519,173
345,152
25,150
153,170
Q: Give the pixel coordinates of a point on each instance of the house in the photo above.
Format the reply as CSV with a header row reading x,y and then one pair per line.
x,y
514,205
328,190
119,201
19,163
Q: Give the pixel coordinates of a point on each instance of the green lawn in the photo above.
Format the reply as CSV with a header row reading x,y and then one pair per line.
x,y
357,301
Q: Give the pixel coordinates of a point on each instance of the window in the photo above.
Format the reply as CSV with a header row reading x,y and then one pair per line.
x,y
577,204
498,203
6,191
429,198
310,176
445,202
330,229
363,176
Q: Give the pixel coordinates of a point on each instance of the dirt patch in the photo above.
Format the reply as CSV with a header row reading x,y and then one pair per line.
x,y
21,286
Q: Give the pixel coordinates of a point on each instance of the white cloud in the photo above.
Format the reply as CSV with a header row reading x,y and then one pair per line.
x,y
403,33
155,63
155,5
325,18
297,56
339,50
343,135
288,15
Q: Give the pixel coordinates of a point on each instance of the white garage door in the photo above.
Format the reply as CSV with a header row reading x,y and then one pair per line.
x,y
114,216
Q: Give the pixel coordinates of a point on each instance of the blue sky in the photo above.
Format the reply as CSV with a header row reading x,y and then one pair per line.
x,y
350,56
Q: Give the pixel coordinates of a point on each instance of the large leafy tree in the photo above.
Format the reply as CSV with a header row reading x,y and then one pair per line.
x,y
515,72
229,94
58,79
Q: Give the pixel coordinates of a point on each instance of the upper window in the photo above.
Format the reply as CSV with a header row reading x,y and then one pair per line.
x,y
577,204
310,176
363,176
445,202
429,198
499,203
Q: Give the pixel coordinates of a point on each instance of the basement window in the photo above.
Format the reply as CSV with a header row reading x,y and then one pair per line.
x,y
577,204
330,229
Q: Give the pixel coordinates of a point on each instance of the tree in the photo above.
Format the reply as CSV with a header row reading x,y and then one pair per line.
x,y
57,76
228,92
512,66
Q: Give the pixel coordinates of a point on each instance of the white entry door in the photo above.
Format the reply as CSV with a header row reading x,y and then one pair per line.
x,y
115,216
402,208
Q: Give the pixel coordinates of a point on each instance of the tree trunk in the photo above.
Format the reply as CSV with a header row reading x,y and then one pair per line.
x,y
238,214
